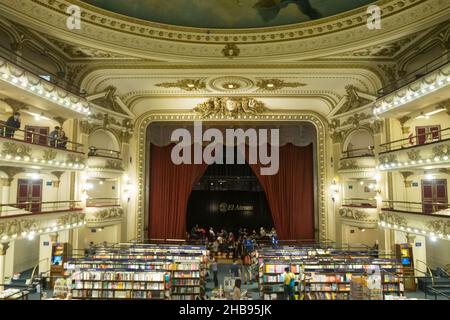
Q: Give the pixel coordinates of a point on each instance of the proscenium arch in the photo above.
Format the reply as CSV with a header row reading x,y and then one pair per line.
x,y
321,208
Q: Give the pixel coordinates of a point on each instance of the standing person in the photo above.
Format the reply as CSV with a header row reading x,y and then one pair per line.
x,y
62,140
237,290
53,137
247,267
12,124
235,270
289,284
214,269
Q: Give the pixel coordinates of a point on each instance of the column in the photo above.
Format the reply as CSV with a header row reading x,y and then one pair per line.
x,y
3,248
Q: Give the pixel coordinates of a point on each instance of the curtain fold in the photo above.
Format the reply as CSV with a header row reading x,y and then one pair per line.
x,y
170,188
290,193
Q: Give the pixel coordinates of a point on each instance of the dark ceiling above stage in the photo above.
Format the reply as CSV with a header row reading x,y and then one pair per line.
x,y
229,14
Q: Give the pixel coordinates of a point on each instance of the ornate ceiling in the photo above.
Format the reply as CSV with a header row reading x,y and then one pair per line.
x,y
230,14
103,31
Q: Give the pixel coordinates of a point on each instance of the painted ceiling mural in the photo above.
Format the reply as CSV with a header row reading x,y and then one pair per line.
x,y
228,14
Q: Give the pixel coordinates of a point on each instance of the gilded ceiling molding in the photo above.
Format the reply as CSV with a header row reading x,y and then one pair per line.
x,y
185,84
97,69
142,37
318,121
353,100
277,84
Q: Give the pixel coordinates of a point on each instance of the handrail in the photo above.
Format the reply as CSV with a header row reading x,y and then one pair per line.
x,y
360,152
3,126
414,75
417,207
387,147
59,80
428,269
102,202
359,202
99,152
28,208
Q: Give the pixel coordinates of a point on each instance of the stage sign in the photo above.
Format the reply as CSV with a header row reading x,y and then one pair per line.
x,y
228,209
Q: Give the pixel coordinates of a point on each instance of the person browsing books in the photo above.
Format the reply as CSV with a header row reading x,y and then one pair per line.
x,y
289,284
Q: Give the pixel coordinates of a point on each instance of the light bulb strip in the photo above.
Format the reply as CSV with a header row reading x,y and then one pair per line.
x,y
30,235
43,162
415,230
413,163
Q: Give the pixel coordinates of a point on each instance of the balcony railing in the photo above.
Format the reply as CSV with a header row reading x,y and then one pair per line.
x,y
106,153
416,141
36,138
356,153
102,202
38,70
412,76
35,207
423,208
359,203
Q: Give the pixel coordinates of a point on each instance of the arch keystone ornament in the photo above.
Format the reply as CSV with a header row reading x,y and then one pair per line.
x,y
234,108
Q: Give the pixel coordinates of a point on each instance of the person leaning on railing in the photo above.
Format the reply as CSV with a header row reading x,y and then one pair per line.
x,y
11,125
62,140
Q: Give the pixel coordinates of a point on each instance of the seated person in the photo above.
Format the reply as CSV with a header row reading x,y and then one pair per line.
x,y
237,290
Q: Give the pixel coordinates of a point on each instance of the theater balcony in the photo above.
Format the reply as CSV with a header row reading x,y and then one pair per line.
x,y
361,213
430,83
30,219
422,218
358,163
30,149
104,163
103,212
426,151
32,85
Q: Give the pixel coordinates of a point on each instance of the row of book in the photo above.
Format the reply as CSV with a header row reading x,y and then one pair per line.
x,y
118,276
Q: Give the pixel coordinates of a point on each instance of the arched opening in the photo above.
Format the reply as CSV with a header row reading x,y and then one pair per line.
x,y
103,140
358,144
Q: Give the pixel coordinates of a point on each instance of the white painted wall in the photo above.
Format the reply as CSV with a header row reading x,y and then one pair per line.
x,y
438,253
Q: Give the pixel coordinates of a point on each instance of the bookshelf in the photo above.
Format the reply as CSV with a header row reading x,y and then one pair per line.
x,y
101,284
138,272
327,274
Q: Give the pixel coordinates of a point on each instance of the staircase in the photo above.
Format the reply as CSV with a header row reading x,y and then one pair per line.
x,y
441,284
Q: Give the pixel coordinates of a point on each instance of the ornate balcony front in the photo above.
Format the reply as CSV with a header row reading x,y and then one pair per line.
x,y
361,213
104,163
31,149
18,82
427,219
411,92
27,220
103,212
358,163
427,151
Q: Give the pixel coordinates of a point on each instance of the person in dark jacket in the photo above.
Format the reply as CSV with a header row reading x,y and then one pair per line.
x,y
53,137
12,124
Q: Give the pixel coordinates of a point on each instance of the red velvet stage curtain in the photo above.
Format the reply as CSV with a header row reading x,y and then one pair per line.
x,y
290,193
170,188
